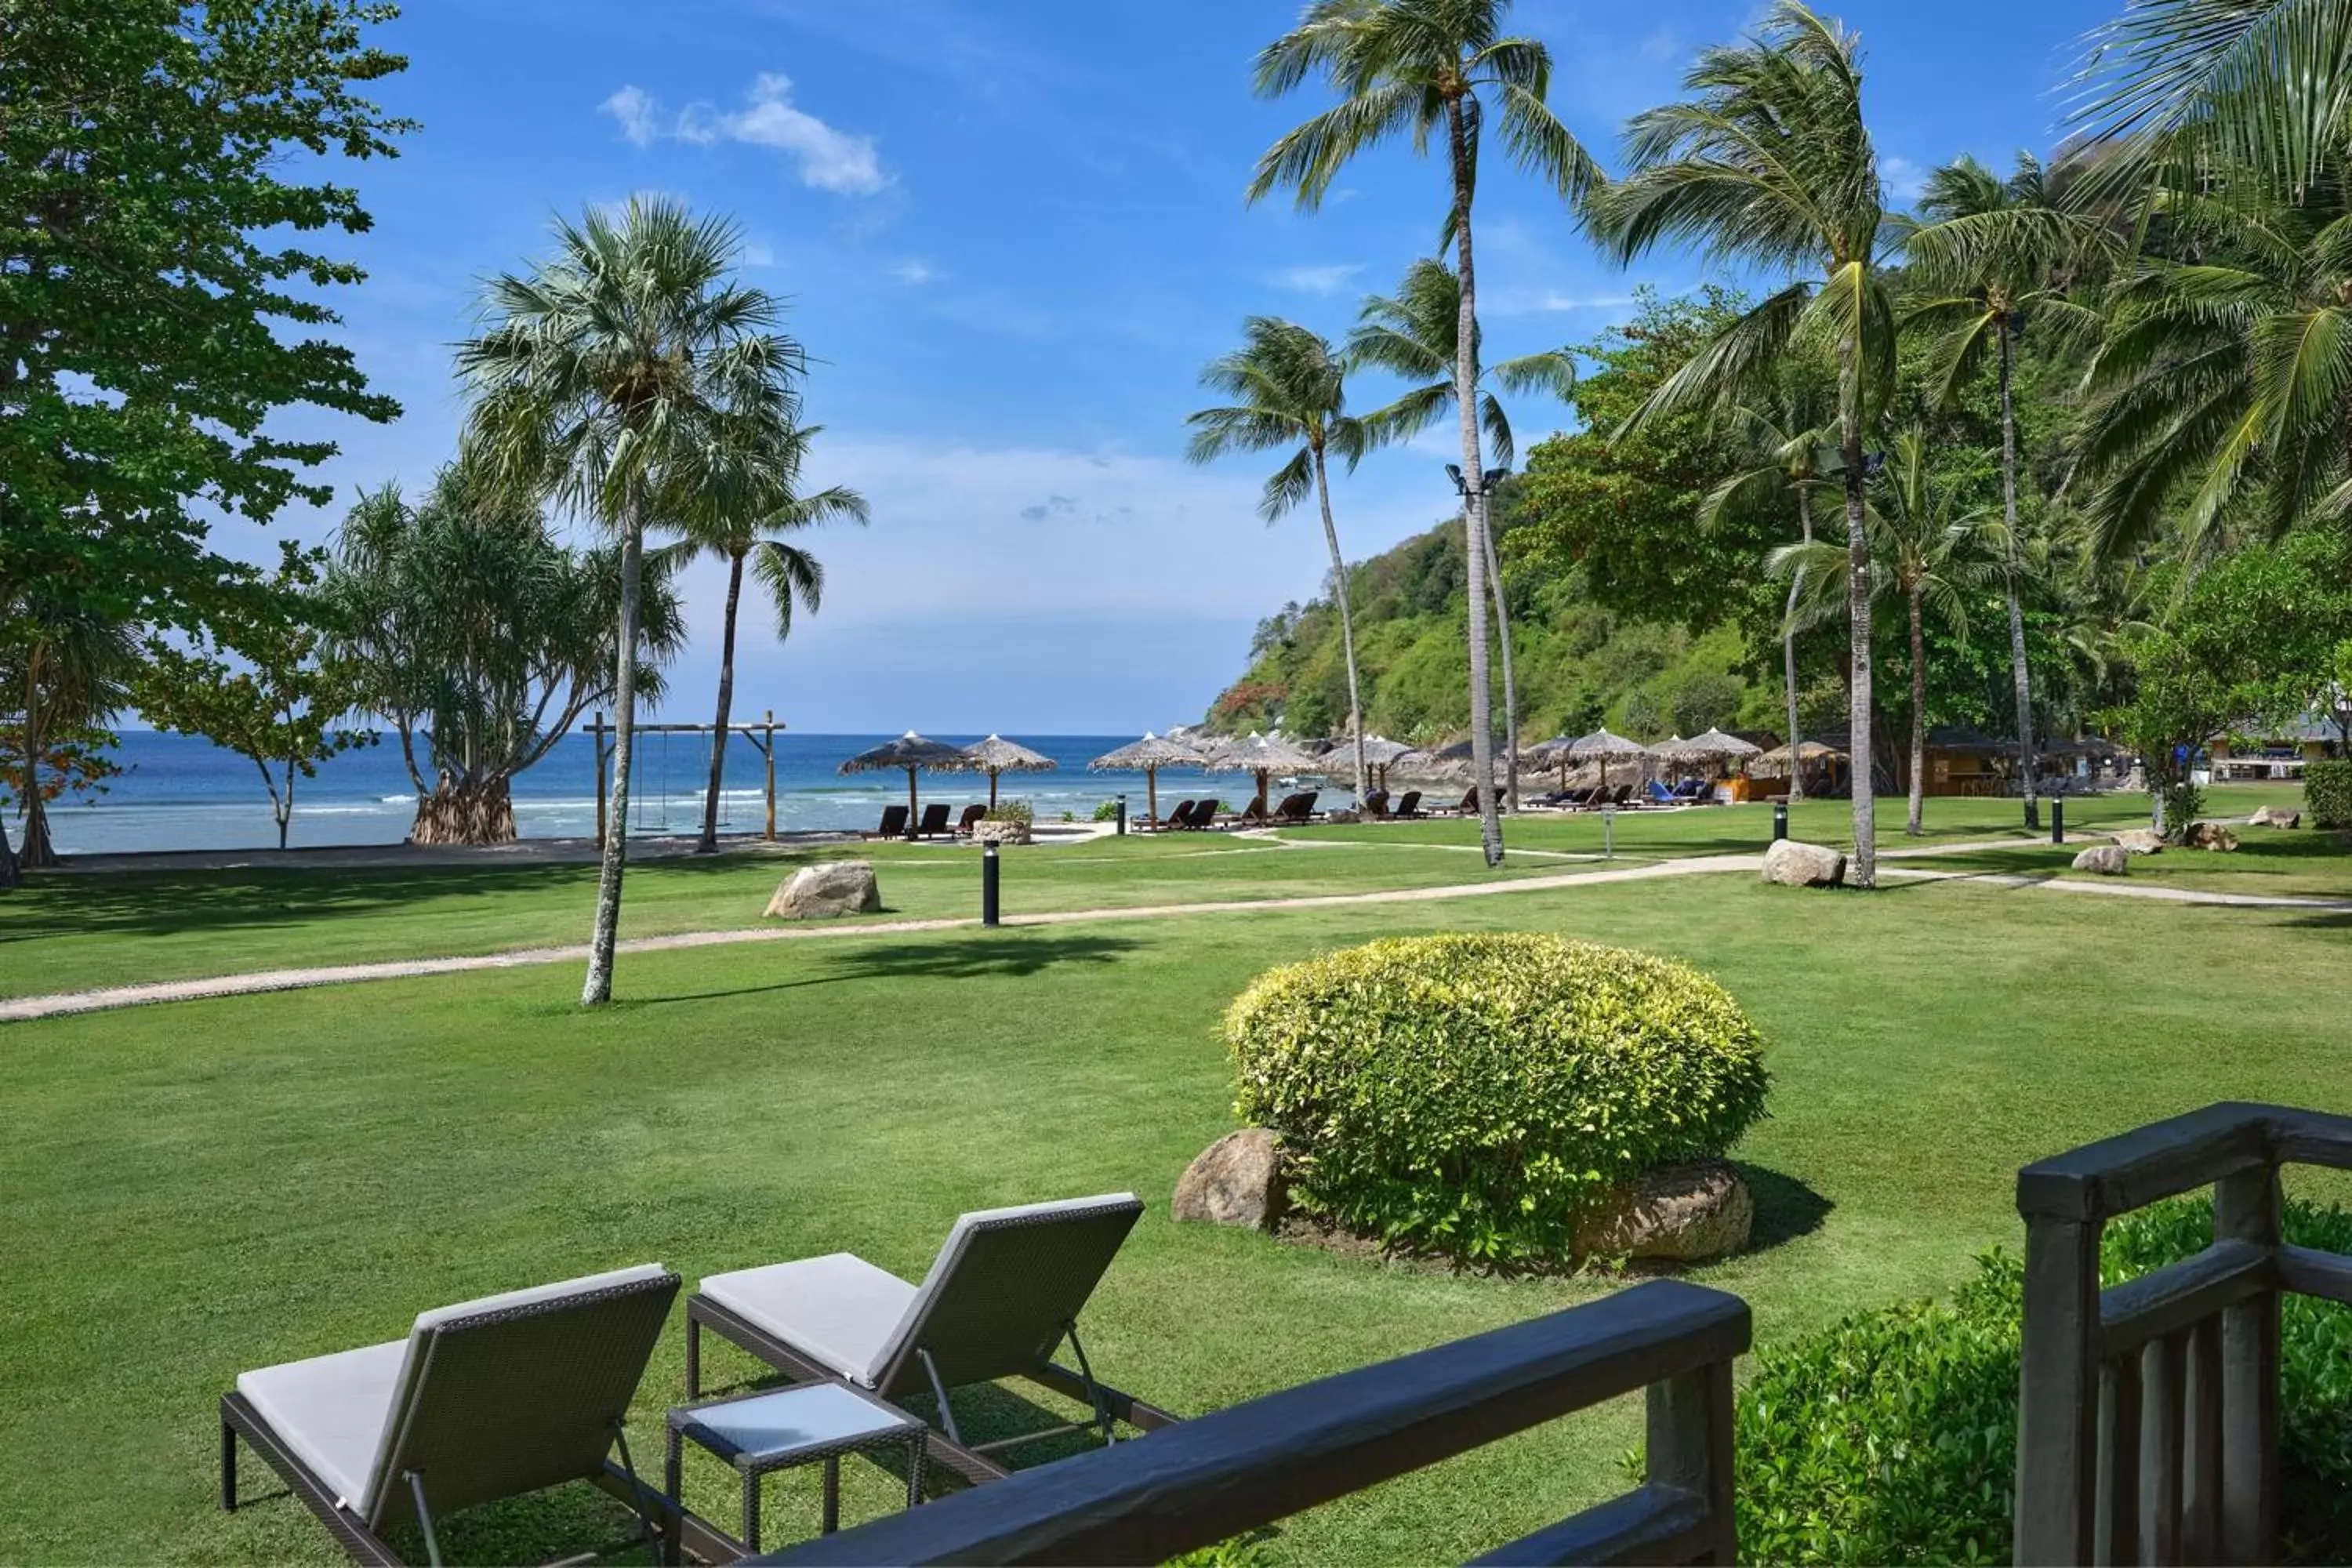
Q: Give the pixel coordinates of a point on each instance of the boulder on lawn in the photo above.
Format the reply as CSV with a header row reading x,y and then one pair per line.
x,y
827,891
2274,816
2209,835
1794,865
2106,859
2140,840
1682,1214
1237,1180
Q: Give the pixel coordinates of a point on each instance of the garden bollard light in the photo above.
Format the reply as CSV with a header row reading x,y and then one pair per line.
x,y
1608,833
988,883
1122,815
1780,820
2057,822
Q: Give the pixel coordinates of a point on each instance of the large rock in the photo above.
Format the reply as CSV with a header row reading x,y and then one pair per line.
x,y
1683,1213
1795,865
827,889
2140,840
2274,816
1237,1180
2106,859
2208,836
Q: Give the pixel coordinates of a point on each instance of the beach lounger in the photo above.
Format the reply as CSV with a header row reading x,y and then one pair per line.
x,y
1251,816
485,1400
1463,807
1295,809
1178,818
971,814
934,820
894,824
1410,806
1000,1298
1656,793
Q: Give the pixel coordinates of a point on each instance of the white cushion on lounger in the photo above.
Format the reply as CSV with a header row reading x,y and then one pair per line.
x,y
331,1411
839,1309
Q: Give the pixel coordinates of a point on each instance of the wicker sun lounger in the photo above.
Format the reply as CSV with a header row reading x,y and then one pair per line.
x,y
485,1400
1003,1294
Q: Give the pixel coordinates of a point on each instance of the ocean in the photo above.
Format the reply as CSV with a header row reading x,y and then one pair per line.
x,y
182,792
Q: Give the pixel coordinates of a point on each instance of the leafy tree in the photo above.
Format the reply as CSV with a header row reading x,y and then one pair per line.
x,y
262,684
1288,388
1413,333
66,669
1428,66
1769,164
474,633
606,375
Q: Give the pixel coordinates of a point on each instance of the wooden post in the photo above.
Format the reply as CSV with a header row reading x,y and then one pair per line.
x,y
2058,1393
770,749
1690,1449
2246,1208
596,734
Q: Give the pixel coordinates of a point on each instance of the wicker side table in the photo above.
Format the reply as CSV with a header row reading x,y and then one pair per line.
x,y
813,1423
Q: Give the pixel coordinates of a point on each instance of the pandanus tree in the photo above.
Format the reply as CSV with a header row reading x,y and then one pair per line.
x,y
1428,68
1768,165
1413,333
1289,390
606,374
747,514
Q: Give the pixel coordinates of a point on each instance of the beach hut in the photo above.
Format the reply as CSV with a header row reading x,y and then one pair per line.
x,y
1264,756
910,752
1604,748
998,755
1149,756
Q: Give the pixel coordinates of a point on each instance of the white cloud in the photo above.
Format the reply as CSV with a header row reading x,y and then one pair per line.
x,y
827,158
1548,301
1664,45
757,253
1326,280
914,274
1904,179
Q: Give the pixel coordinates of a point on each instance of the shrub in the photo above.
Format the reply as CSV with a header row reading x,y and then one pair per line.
x,y
2327,793
1469,1095
1106,812
1892,1437
1010,811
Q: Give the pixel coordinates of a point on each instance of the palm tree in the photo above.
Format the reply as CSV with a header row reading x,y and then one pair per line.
x,y
1769,165
1423,66
68,674
748,523
1413,333
1789,434
1927,553
1289,387
1993,254
605,375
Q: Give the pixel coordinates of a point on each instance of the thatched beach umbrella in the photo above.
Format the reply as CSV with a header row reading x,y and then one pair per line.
x,y
910,752
998,755
1553,754
1713,748
1150,754
1774,763
1602,747
1380,755
1264,756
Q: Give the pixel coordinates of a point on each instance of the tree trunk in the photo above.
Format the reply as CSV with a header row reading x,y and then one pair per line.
x,y
1347,625
2019,673
1510,682
1473,501
1860,781
466,810
709,843
1789,644
11,874
1915,826
597,989
39,853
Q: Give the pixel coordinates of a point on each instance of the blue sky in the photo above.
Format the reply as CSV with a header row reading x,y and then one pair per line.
x,y
1012,234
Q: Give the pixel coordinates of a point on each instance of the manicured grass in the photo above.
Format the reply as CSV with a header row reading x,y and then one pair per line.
x,y
2268,861
198,1189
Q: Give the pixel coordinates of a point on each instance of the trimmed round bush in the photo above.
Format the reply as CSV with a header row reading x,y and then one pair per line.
x,y
1470,1095
2327,793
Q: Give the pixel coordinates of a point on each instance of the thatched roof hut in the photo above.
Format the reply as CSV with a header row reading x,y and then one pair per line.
x,y
998,755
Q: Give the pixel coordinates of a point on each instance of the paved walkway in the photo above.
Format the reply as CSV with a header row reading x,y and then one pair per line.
x,y
22,1008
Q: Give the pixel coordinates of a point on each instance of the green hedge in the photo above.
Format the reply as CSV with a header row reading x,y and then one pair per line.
x,y
1892,1437
2327,793
1468,1095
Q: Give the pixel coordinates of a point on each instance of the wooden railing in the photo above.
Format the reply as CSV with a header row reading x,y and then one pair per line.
x,y
2149,1419
1205,1481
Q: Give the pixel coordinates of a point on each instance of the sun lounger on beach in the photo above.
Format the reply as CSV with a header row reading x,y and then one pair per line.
x,y
1463,807
1410,806
1000,1298
894,824
1179,815
1295,809
485,1400
934,820
971,814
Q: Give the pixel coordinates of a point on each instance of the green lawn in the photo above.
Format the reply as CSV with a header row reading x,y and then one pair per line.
x,y
202,1188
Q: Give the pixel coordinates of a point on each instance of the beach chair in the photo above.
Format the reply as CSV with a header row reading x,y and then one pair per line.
x,y
485,1400
1000,1298
1410,806
1376,805
894,824
1656,793
1179,817
934,820
1295,809
1623,795
1463,807
1251,816
971,814
1206,812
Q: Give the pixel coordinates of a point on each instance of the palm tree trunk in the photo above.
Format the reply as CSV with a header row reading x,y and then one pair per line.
x,y
1916,825
598,989
709,843
2019,673
39,853
1347,624
1474,507
1510,682
11,874
1858,781
1789,645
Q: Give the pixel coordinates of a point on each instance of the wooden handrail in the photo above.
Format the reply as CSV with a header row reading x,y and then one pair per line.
x,y
1205,1481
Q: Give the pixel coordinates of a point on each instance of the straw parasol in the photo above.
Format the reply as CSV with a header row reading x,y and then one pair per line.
x,y
1264,756
1715,746
1149,756
1774,763
1553,754
910,752
1602,747
998,755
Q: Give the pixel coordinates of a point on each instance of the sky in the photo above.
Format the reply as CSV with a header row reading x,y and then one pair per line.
x,y
1010,234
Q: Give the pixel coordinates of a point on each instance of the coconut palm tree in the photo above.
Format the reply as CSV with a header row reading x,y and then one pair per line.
x,y
1424,68
1768,165
1413,334
1993,254
746,518
1287,388
1927,553
603,376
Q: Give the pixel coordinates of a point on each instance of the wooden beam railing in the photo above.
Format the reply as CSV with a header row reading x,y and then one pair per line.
x,y
1205,1481
2148,1413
